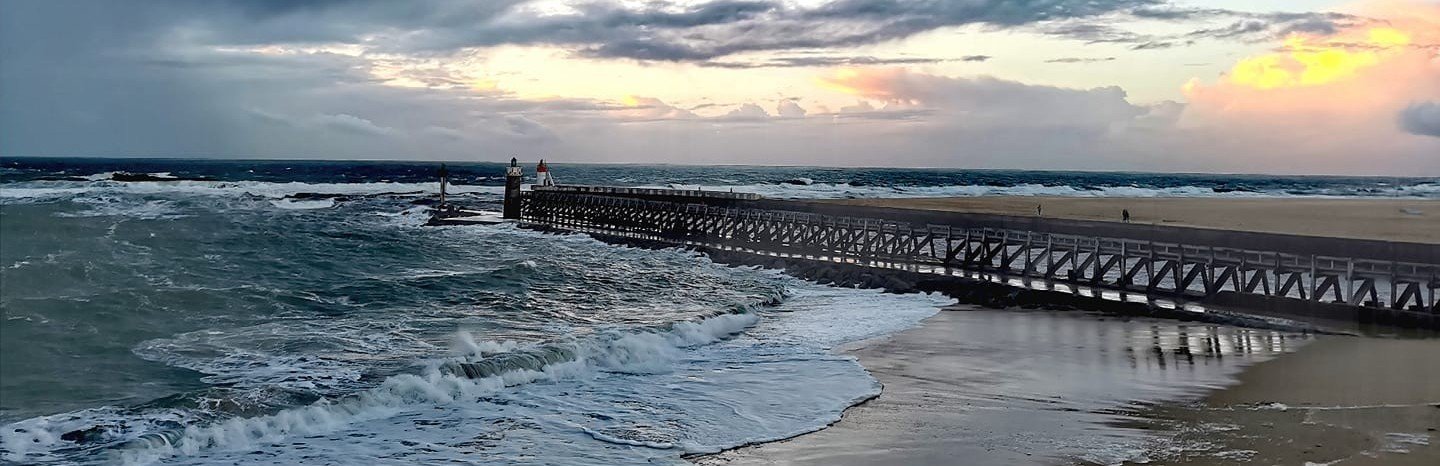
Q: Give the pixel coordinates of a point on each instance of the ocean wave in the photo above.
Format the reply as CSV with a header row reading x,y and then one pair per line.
x,y
303,196
107,206
479,372
294,204
798,189
298,192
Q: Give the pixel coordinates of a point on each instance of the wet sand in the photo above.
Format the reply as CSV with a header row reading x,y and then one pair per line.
x,y
1337,401
1409,220
1022,387
1036,387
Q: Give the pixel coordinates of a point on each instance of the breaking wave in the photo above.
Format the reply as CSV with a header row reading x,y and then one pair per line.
x,y
482,369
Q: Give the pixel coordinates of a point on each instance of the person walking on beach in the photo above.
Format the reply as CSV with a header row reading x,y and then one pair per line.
x,y
1037,211
1125,214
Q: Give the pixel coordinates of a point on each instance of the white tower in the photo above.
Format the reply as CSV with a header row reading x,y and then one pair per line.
x,y
542,175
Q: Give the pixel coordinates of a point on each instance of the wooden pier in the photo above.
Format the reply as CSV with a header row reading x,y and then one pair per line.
x,y
1190,271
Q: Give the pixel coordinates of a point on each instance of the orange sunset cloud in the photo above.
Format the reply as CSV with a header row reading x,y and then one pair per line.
x,y
1364,69
1325,98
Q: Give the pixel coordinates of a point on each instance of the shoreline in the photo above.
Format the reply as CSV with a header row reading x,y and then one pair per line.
x,y
945,396
1411,220
927,412
1337,401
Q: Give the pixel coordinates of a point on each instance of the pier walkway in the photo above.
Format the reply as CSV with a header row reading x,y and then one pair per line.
x,y
1357,274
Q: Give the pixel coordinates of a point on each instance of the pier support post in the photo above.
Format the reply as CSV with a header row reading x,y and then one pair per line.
x,y
444,180
513,177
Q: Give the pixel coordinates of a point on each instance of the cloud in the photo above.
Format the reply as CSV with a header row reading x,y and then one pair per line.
x,y
1080,60
859,107
825,61
519,125
991,102
172,78
444,132
1270,26
789,109
1238,26
1156,45
1328,102
747,112
1421,119
1092,32
650,108
349,124
656,30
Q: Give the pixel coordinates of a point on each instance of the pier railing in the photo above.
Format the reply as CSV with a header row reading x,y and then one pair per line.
x,y
1183,270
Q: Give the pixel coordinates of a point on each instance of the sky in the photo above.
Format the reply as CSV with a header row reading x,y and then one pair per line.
x,y
1280,86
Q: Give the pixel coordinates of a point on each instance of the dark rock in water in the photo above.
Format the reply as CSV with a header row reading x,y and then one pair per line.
x,y
799,181
84,436
318,196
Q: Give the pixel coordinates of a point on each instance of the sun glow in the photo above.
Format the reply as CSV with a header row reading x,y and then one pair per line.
x,y
1310,61
842,81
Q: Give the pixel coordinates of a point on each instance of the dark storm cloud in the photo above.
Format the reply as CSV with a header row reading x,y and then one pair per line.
x,y
1094,33
825,61
1273,25
1241,26
1156,45
182,78
1249,25
853,22
1238,28
113,78
652,31
1421,119
658,31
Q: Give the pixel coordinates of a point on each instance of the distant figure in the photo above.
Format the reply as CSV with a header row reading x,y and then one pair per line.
x,y
1125,214
1037,210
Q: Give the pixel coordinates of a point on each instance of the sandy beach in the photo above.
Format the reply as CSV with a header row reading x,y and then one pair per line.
x,y
1033,387
1337,401
1409,220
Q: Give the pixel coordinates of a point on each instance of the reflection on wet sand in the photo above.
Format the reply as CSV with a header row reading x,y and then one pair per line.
x,y
1341,401
1017,387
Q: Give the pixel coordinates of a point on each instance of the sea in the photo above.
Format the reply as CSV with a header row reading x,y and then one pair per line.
x,y
170,311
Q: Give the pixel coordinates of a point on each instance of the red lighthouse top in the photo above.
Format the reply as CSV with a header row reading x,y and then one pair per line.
x,y
542,168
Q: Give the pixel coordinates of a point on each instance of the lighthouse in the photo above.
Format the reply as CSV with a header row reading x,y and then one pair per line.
x,y
513,177
542,175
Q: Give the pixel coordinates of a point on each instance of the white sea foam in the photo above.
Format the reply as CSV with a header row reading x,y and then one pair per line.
x,y
41,191
612,404
845,190
106,206
44,191
624,352
297,204
777,391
